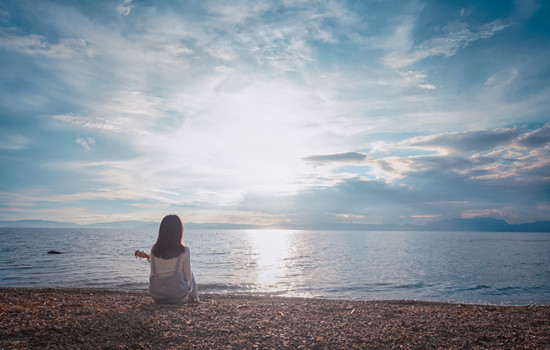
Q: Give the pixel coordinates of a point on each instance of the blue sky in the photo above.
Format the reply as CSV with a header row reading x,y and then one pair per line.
x,y
266,112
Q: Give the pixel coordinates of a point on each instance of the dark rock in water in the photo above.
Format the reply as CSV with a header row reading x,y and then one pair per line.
x,y
54,252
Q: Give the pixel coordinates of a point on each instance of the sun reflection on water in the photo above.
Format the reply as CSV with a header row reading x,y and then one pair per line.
x,y
271,249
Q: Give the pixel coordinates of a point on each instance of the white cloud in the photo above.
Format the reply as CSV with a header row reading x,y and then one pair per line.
x,y
125,7
427,86
86,143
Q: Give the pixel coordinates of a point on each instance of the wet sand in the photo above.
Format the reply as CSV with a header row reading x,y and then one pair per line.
x,y
96,318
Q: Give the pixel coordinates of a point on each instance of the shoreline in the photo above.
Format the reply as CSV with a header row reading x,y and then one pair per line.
x,y
268,295
105,318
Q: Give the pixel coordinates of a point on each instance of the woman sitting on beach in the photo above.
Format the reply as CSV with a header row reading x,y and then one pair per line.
x,y
171,279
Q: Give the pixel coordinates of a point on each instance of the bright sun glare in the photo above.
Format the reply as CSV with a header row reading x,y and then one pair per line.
x,y
252,140
272,248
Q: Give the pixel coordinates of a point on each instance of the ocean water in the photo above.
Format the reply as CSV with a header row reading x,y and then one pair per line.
x,y
468,267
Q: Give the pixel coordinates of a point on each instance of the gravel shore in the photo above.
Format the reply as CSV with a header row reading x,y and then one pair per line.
x,y
96,318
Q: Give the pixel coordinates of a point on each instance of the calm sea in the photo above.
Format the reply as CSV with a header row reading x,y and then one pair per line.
x,y
470,267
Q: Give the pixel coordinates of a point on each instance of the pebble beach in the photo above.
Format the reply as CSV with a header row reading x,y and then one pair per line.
x,y
107,319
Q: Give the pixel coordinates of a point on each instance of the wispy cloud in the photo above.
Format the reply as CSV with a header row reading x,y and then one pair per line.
x,y
35,44
458,36
465,142
14,142
86,143
125,7
89,122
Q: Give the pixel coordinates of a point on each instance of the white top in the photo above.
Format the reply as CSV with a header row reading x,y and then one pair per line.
x,y
168,266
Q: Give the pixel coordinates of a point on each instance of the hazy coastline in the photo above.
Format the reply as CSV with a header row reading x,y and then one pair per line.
x,y
458,225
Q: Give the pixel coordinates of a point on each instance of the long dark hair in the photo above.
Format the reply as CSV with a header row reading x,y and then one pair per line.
x,y
169,243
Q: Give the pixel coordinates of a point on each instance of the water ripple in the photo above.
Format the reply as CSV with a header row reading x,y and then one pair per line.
x,y
500,268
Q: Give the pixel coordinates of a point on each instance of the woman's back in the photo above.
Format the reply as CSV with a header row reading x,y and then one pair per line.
x,y
167,266
171,278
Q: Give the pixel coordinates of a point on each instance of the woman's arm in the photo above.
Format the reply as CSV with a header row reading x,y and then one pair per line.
x,y
187,272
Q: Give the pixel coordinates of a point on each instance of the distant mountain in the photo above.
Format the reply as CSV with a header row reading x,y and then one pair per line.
x,y
57,224
38,224
129,224
537,226
486,225
479,225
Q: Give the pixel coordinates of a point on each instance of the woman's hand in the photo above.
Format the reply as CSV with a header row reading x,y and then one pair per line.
x,y
141,254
